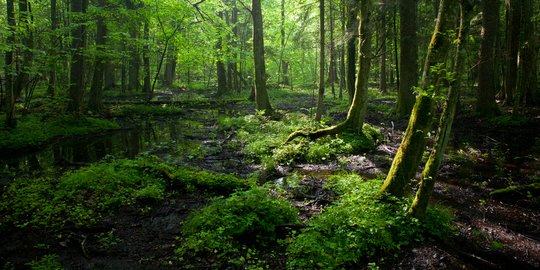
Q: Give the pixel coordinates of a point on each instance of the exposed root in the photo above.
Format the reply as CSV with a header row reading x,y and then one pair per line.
x,y
337,129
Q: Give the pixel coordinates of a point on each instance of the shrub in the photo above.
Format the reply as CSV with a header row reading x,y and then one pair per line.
x,y
228,229
358,227
191,178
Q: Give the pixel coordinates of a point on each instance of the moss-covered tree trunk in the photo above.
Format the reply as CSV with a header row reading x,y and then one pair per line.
x,y
357,110
409,154
77,71
429,174
261,95
95,102
352,31
408,74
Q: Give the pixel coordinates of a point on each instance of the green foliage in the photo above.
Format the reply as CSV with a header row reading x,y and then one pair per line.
x,y
192,179
358,227
264,139
33,131
47,262
228,230
146,110
508,120
83,196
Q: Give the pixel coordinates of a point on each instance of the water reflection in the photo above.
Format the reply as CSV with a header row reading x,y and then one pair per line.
x,y
172,139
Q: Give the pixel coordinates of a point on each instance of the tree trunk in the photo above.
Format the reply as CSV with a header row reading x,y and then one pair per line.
x,y
78,41
95,103
352,32
261,96
429,174
134,59
147,87
513,20
382,31
355,116
332,66
528,92
51,87
408,58
320,100
10,66
342,52
409,154
220,66
485,103
24,65
284,64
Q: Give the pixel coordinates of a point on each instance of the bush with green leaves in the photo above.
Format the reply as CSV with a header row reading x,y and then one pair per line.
x,y
358,227
219,183
263,139
32,130
83,196
228,230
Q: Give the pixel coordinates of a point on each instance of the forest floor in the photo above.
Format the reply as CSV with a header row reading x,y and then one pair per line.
x,y
492,232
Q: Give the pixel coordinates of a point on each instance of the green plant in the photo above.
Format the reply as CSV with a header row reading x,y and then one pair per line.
x,y
47,262
228,229
358,227
191,178
128,110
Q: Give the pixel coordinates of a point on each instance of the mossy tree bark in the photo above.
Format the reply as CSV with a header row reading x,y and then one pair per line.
x,y
261,95
352,31
357,110
409,154
429,174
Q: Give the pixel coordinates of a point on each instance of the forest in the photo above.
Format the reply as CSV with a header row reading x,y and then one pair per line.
x,y
269,134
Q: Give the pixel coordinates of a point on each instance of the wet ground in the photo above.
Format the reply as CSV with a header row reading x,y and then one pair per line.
x,y
491,232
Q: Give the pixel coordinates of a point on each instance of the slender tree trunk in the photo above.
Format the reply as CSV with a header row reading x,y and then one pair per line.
x,y
320,100
51,87
134,59
342,52
485,103
527,83
395,35
284,64
512,48
332,66
429,174
409,55
220,66
261,95
26,35
382,31
95,102
352,32
78,41
409,154
10,66
147,87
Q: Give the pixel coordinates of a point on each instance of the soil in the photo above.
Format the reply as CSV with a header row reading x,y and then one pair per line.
x,y
491,232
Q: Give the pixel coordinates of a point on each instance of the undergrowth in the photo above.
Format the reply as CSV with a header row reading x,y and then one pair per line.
x,y
145,110
263,139
82,197
32,130
358,227
230,232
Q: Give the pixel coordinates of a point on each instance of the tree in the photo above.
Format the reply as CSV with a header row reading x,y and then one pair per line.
x,y
261,96
320,100
147,87
95,103
431,169
10,66
410,151
513,23
355,116
352,32
382,33
78,41
485,102
408,58
51,88
220,66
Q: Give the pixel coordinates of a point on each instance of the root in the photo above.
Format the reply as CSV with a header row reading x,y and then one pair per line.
x,y
337,129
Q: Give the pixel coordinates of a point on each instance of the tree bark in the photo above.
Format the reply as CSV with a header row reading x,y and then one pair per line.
x,y
355,116
408,58
220,66
320,99
95,103
485,103
352,33
9,67
528,64
409,154
147,87
382,31
261,95
51,87
429,174
513,21
78,41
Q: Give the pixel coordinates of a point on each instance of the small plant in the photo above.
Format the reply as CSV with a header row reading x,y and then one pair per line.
x,y
108,240
47,262
231,230
358,227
